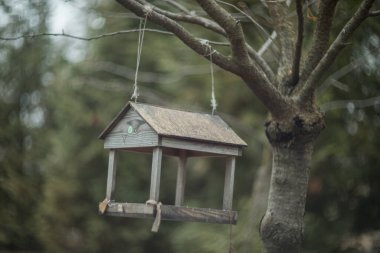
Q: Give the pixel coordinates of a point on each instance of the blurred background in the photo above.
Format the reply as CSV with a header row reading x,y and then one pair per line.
x,y
57,94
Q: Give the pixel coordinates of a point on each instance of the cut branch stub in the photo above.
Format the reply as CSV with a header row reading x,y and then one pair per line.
x,y
298,128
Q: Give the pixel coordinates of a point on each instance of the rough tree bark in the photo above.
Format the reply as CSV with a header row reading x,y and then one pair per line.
x,y
289,96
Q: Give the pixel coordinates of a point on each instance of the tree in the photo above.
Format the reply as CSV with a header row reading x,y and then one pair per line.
x,y
22,111
288,91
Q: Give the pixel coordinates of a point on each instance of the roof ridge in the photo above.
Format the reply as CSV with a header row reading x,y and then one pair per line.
x,y
174,109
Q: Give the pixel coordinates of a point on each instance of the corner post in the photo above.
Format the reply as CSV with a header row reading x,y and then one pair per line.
x,y
111,174
229,183
156,174
181,178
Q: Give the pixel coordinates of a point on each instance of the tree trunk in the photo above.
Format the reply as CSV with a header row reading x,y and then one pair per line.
x,y
292,143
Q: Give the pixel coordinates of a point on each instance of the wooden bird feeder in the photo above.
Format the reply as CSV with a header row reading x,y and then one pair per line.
x,y
160,131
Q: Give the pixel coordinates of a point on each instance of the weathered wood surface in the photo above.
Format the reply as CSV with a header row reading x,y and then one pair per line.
x,y
111,177
188,125
173,213
156,174
229,183
181,179
178,124
201,147
131,131
132,210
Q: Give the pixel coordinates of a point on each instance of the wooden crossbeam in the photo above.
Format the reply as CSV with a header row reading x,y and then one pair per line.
x,y
173,213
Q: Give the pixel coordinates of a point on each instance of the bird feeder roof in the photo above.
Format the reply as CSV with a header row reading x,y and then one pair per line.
x,y
180,124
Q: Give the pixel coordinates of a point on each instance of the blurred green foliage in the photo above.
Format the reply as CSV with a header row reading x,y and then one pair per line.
x,y
53,105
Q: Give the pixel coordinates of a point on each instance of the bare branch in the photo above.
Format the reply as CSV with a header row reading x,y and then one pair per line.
x,y
261,28
63,34
253,76
298,49
232,27
374,13
333,79
359,103
252,53
186,37
212,42
311,84
279,11
261,63
178,6
190,18
267,43
321,36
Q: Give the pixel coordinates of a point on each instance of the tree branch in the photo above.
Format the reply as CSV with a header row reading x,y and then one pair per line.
x,y
232,27
187,38
178,6
261,63
320,42
374,13
255,79
333,79
208,24
267,43
359,103
193,19
298,48
261,28
63,34
285,29
307,92
252,53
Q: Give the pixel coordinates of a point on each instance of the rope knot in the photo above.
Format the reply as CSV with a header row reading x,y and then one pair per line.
x,y
148,10
157,220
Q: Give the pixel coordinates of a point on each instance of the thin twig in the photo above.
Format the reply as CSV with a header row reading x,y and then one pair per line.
x,y
267,43
374,13
359,103
233,29
213,42
248,16
184,35
178,6
63,34
333,78
190,18
312,82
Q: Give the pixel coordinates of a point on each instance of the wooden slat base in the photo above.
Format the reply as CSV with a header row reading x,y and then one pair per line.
x,y
174,213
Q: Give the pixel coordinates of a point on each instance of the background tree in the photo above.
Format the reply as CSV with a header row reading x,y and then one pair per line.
x,y
22,111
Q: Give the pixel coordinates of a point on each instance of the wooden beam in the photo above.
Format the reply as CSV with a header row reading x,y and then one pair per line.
x,y
201,147
173,213
156,174
181,178
111,177
229,183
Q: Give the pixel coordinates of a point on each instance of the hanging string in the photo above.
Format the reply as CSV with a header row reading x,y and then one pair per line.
x,y
231,246
214,104
142,26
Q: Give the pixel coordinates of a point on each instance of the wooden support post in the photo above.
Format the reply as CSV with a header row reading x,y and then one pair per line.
x,y
181,178
229,183
156,174
111,174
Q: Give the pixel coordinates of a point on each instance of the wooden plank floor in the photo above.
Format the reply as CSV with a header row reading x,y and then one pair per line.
x,y
173,213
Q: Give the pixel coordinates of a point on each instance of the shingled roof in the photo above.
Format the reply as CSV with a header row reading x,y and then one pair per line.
x,y
181,124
